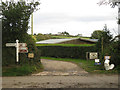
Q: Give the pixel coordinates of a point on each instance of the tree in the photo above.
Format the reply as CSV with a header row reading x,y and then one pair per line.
x,y
113,48
104,41
15,19
65,33
112,4
40,37
104,2
96,34
16,16
80,35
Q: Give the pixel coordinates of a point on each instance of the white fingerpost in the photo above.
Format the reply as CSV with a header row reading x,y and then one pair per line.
x,y
17,51
20,48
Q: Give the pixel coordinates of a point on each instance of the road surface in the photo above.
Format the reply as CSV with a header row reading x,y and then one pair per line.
x,y
59,74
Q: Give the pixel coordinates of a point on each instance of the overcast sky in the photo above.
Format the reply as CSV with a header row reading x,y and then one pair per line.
x,y
74,16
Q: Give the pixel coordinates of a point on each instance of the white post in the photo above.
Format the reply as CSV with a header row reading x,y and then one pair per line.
x,y
17,51
118,18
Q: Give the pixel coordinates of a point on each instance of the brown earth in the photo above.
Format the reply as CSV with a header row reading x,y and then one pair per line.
x,y
60,74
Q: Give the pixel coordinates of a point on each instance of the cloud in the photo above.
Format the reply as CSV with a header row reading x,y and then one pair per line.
x,y
73,16
57,18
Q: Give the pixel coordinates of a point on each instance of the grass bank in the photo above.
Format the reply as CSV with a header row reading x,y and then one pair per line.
x,y
87,65
21,70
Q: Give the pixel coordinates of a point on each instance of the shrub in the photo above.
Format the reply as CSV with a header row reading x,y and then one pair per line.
x,y
40,37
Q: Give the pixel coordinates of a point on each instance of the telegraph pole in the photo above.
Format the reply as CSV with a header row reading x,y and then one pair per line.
x,y
119,18
32,24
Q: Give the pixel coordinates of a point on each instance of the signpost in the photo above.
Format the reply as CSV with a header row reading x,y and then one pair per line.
x,y
20,48
107,57
10,44
17,51
93,55
31,55
23,48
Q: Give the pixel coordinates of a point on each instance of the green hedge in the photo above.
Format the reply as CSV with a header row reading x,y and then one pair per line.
x,y
65,52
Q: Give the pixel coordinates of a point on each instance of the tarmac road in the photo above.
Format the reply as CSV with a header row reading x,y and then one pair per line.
x,y
59,74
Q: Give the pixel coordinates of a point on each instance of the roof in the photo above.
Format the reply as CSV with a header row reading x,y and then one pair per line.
x,y
54,41
90,40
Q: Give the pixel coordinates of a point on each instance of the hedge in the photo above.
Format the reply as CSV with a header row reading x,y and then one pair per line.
x,y
65,52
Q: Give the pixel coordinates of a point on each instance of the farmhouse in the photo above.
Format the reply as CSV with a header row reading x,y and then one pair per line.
x,y
68,41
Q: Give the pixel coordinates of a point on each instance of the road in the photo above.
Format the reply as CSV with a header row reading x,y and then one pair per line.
x,y
59,74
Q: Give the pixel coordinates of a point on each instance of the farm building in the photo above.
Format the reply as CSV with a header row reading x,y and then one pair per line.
x,y
68,41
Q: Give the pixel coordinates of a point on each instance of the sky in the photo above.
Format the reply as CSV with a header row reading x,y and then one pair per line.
x,y
74,16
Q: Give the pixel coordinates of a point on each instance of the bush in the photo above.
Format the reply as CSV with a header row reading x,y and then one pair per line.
x,y
40,37
114,51
65,52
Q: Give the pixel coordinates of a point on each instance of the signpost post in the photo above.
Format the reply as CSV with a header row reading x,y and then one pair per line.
x,y
20,48
17,51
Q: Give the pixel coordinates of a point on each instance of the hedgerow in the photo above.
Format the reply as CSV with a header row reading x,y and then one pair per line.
x,y
65,52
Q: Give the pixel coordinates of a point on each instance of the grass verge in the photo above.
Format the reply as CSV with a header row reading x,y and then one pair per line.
x,y
21,70
87,65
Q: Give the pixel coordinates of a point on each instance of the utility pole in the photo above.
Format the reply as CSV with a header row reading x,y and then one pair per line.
x,y
32,24
102,46
119,18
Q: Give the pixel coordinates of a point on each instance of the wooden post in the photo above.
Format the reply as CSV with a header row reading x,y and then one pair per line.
x,y
32,24
102,46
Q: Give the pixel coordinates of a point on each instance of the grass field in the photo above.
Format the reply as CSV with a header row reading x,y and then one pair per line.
x,y
87,65
66,45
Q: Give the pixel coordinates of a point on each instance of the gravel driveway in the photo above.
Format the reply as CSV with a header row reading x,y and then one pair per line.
x,y
52,67
59,74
